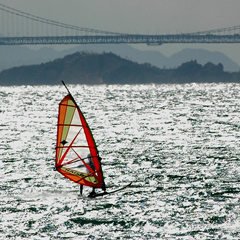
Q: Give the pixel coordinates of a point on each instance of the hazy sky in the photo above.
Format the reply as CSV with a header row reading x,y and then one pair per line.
x,y
142,16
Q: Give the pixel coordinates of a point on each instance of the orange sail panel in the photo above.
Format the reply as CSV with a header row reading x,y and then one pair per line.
x,y
76,153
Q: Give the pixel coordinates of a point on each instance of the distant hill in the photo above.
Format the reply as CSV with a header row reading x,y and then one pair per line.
x,y
13,56
203,56
83,68
108,68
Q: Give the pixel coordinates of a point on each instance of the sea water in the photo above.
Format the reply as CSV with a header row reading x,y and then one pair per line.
x,y
179,145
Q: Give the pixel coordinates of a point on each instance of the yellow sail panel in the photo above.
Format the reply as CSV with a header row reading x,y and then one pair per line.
x,y
79,176
66,111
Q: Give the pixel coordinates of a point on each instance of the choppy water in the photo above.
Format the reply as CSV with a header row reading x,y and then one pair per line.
x,y
178,144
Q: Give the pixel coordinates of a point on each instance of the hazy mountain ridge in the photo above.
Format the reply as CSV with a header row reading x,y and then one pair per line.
x,y
12,56
158,59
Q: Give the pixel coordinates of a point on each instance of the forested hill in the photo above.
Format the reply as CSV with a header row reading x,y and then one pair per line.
x,y
108,68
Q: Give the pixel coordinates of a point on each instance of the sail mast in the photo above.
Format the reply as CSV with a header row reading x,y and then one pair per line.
x,y
66,87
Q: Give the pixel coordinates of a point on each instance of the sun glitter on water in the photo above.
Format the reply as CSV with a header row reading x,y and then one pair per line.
x,y
179,144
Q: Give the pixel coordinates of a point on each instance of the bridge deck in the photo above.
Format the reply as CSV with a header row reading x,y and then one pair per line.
x,y
130,39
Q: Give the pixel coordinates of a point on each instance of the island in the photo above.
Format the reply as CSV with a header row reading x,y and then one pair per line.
x,y
108,68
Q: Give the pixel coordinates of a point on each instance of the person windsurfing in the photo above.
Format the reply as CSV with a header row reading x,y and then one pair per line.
x,y
91,165
75,143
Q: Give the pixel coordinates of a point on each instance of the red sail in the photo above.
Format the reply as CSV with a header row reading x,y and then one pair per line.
x,y
76,152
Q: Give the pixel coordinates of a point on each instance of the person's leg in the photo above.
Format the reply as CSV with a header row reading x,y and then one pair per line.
x,y
81,189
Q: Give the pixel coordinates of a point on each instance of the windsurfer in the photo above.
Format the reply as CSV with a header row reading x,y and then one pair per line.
x,y
73,126
90,162
91,165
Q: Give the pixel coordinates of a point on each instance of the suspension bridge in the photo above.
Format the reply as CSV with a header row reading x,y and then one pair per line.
x,y
20,28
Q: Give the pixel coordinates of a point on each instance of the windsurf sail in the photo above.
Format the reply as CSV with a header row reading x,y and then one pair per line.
x,y
77,156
